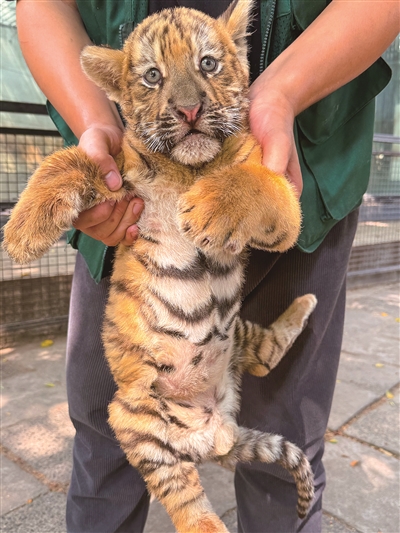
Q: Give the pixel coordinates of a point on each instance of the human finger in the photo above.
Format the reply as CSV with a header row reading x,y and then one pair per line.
x,y
126,222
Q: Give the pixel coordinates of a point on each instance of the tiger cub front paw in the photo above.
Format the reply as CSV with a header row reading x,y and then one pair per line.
x,y
66,183
210,220
241,205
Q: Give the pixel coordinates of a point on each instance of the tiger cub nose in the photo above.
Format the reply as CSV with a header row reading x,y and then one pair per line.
x,y
190,113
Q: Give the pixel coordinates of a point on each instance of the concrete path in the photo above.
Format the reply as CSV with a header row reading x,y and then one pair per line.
x,y
362,448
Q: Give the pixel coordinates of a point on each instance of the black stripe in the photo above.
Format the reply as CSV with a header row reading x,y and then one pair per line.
x,y
153,364
159,368
269,246
196,316
142,157
247,155
221,336
147,466
138,439
197,359
216,269
174,420
257,345
194,271
225,305
206,339
139,410
120,286
245,336
231,321
267,366
183,404
148,238
275,339
167,368
191,501
170,332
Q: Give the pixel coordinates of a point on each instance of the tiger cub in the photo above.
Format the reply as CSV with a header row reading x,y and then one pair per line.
x,y
173,337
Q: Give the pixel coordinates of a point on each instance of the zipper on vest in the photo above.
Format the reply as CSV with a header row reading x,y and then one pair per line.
x,y
270,14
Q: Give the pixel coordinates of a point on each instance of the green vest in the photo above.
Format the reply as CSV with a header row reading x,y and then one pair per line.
x,y
333,136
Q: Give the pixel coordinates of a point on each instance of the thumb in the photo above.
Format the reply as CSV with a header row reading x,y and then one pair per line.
x,y
280,155
276,150
111,173
96,143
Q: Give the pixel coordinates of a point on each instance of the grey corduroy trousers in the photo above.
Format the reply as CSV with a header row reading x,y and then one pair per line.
x,y
107,495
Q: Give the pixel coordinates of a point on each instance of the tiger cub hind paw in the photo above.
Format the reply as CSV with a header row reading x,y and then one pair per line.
x,y
225,438
207,524
301,309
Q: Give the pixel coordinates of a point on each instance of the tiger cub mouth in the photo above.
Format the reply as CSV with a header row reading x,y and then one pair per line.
x,y
196,148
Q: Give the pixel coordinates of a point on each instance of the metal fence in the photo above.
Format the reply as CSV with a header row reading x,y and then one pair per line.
x,y
34,298
376,249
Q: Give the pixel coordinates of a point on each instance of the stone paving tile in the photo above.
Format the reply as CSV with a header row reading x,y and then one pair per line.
x,y
376,298
218,485
157,520
330,524
365,495
17,486
46,514
361,370
371,340
230,520
348,400
33,379
371,326
28,405
45,443
380,426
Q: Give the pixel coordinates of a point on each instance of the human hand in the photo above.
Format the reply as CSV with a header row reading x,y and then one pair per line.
x,y
271,122
109,222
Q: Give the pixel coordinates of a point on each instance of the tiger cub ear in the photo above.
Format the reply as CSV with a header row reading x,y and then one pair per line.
x,y
236,20
104,67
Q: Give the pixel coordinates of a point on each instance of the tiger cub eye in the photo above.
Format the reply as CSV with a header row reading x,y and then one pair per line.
x,y
153,76
208,64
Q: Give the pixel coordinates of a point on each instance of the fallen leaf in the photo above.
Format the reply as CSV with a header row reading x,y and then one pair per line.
x,y
354,463
49,385
379,365
389,395
333,441
29,501
384,314
397,319
46,343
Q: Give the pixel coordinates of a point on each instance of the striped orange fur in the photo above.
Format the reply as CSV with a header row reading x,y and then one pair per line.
x,y
174,340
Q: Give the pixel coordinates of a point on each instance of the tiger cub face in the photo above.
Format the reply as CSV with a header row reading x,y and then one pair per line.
x,y
181,80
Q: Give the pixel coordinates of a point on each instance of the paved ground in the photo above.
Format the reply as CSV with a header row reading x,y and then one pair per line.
x,y
362,448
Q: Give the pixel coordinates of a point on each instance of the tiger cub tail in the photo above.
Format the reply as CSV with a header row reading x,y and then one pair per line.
x,y
252,445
